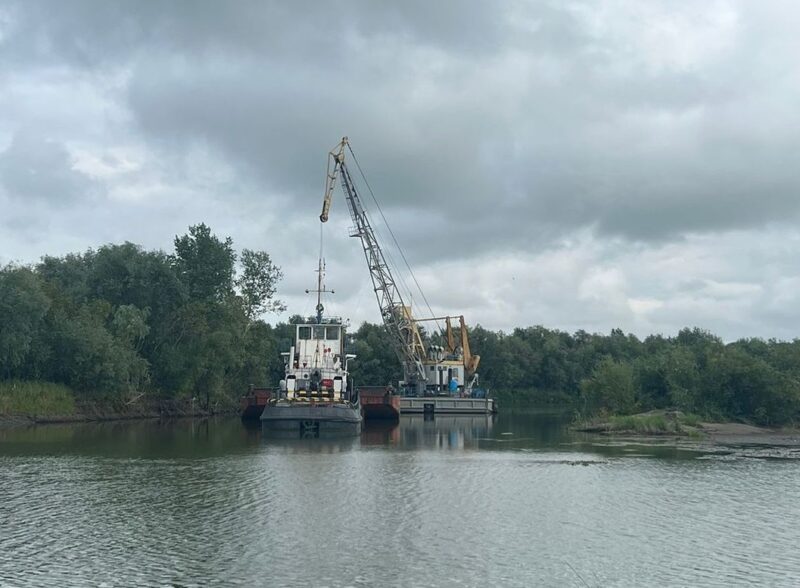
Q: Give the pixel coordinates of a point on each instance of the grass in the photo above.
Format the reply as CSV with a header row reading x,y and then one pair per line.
x,y
643,424
690,420
695,434
653,423
35,399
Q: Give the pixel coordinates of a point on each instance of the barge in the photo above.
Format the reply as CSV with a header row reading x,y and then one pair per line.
x,y
381,403
433,405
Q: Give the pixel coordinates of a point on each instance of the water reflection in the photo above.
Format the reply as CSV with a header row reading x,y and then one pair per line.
x,y
293,444
192,438
440,432
410,432
145,438
449,432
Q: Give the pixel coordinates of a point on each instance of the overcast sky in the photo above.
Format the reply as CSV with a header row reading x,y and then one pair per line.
x,y
580,165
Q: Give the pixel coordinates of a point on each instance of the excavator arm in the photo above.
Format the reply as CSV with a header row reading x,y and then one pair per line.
x,y
451,340
470,361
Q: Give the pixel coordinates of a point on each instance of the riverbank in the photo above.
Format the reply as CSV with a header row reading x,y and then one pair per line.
x,y
660,424
93,413
742,434
28,403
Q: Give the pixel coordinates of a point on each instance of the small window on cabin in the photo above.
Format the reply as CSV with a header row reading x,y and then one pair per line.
x,y
319,332
332,333
304,333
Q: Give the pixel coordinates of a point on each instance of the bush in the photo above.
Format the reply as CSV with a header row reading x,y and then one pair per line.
x,y
35,398
610,388
644,424
690,420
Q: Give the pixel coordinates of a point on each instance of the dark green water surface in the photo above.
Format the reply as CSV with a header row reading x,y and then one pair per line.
x,y
475,501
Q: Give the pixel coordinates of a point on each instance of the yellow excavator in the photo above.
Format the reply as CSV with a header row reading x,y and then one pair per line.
x,y
454,360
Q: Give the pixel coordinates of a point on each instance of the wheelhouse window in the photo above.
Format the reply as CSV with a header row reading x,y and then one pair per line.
x,y
304,333
319,332
332,333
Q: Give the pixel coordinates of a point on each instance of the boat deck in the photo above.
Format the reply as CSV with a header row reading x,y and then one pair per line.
x,y
446,405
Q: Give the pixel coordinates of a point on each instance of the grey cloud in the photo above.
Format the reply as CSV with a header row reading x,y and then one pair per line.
x,y
524,121
488,131
34,168
89,34
592,148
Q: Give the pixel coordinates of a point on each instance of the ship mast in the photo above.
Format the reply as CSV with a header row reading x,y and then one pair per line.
x,y
320,289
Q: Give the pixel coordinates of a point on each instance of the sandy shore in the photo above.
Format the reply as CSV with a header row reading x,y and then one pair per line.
x,y
716,441
741,434
713,440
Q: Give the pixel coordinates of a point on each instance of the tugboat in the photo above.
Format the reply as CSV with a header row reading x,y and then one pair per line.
x,y
316,398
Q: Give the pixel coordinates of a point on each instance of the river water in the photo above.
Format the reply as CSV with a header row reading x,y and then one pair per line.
x,y
511,501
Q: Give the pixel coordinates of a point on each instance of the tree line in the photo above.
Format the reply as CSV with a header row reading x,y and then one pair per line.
x,y
695,371
121,323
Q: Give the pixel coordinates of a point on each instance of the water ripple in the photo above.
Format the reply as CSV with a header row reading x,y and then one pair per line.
x,y
438,512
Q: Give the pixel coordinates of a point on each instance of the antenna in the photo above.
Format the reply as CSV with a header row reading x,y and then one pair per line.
x,y
320,289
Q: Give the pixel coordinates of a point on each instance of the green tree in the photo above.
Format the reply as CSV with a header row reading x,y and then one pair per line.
x,y
258,282
740,386
651,380
67,277
610,388
205,264
376,363
683,380
23,306
129,325
89,359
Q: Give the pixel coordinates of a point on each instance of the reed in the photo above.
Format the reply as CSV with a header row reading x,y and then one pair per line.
x,y
35,399
643,424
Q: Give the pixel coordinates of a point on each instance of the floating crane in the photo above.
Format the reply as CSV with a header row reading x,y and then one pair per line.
x,y
425,370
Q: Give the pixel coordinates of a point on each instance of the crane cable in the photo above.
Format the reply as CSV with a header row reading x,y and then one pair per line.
x,y
378,206
399,277
321,264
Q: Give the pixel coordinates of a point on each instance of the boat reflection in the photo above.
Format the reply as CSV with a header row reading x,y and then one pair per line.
x,y
292,444
425,432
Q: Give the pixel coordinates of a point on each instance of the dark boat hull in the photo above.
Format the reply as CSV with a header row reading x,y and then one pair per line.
x,y
378,403
308,420
253,403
